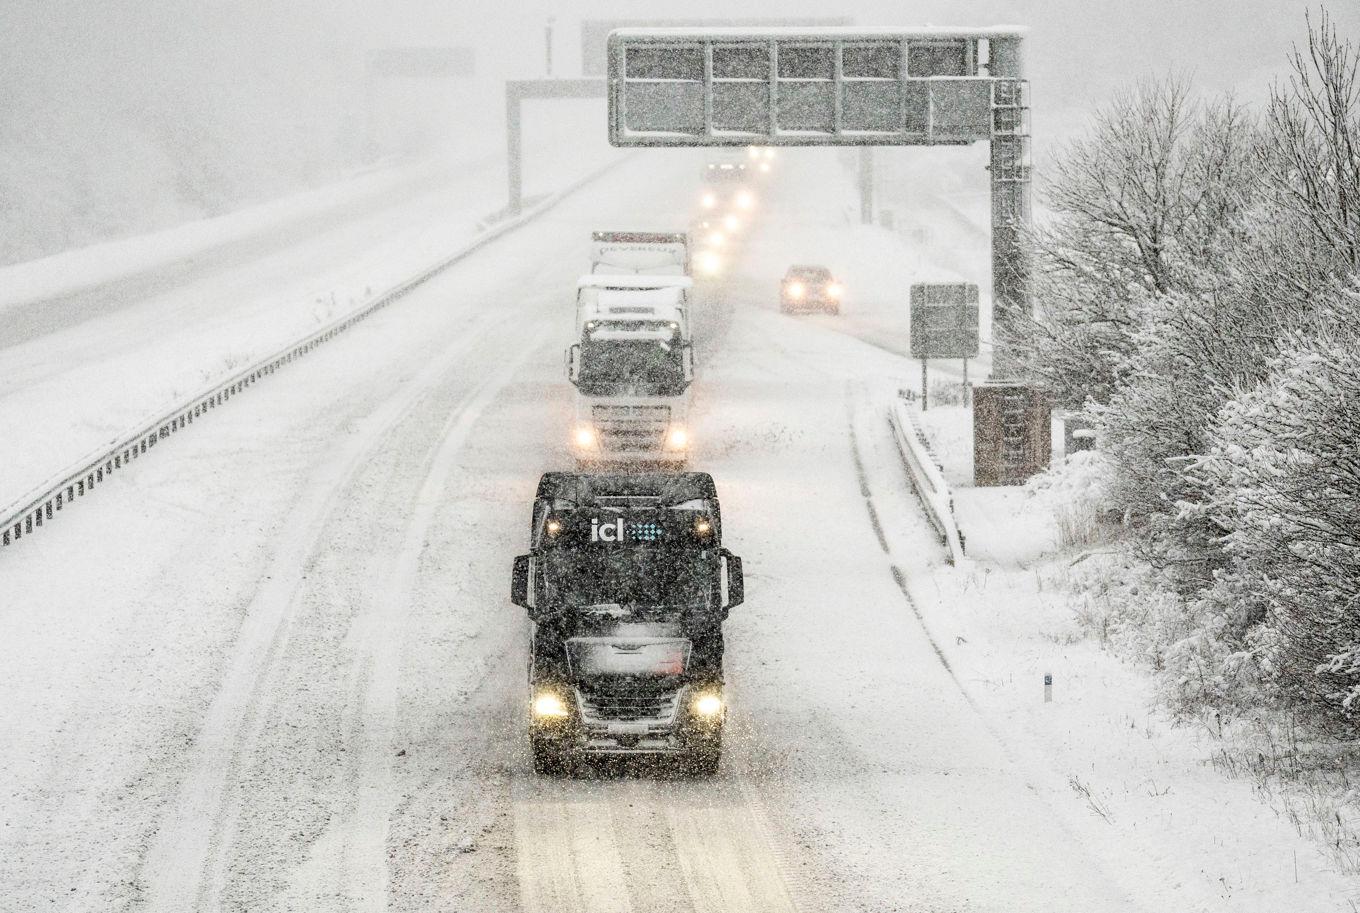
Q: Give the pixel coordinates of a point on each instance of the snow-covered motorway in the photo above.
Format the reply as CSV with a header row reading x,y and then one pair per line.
x,y
275,668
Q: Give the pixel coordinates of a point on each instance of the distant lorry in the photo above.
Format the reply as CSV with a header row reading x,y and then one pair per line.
x,y
727,186
644,253
632,394
628,584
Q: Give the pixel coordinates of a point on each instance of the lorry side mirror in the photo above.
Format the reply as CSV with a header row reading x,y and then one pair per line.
x,y
519,582
574,363
687,358
736,581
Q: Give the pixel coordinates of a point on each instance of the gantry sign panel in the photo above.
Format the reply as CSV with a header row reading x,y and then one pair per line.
x,y
813,87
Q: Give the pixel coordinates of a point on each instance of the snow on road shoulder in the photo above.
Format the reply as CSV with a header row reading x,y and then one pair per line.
x,y
1139,787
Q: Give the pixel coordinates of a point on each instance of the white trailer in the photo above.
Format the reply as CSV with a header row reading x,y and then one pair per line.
x,y
645,253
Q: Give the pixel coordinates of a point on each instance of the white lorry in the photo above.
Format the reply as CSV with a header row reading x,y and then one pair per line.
x,y
632,395
634,362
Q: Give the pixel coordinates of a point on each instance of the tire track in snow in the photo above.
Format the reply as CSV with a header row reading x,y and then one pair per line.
x,y
185,868
362,867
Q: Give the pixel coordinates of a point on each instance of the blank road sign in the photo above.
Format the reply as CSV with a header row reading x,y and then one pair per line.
x,y
944,320
836,86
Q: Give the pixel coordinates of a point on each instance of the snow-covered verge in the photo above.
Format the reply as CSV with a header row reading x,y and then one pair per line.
x,y
1037,599
135,326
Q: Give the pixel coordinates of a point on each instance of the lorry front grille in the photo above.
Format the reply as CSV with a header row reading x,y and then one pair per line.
x,y
629,708
631,428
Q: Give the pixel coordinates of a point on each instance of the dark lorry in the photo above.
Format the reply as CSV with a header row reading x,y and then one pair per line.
x,y
628,585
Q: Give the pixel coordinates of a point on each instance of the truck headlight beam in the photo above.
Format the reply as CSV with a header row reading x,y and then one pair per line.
x,y
548,705
708,705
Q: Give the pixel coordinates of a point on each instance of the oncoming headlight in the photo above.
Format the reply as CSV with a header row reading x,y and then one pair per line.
x,y
707,705
549,706
678,438
585,436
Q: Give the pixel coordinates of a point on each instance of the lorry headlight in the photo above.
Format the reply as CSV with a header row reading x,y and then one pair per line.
x,y
765,167
746,199
678,438
549,706
796,290
710,263
709,200
731,222
585,436
834,290
553,526
708,705
716,239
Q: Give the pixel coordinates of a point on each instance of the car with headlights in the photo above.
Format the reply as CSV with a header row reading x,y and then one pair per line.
x,y
627,584
810,288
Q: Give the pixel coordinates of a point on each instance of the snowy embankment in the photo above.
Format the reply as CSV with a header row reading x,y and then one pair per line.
x,y
1151,790
97,340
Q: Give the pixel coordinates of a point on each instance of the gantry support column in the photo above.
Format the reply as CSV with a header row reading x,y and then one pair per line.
x,y
1010,186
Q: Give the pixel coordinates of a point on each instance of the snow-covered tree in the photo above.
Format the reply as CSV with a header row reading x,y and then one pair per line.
x,y
1138,209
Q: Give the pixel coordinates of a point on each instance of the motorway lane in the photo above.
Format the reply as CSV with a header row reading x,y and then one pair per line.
x,y
315,699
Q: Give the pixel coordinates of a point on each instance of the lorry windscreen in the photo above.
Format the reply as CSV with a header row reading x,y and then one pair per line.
x,y
641,576
628,367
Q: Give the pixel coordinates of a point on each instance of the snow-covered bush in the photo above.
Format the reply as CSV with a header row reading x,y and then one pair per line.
x,y
1075,492
1282,480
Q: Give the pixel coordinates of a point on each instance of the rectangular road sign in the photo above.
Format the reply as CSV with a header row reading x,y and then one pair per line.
x,y
595,32
944,320
808,87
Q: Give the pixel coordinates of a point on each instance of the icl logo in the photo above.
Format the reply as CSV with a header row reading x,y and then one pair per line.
x,y
613,531
608,532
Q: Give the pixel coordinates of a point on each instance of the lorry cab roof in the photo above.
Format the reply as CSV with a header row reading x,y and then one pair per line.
x,y
641,489
633,281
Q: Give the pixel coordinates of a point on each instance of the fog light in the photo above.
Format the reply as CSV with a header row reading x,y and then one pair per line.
x,y
550,706
678,438
585,437
554,526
